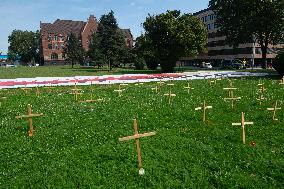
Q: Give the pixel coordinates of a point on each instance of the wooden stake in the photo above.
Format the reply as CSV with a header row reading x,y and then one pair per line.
x,y
274,109
29,116
136,137
170,95
243,123
188,88
204,108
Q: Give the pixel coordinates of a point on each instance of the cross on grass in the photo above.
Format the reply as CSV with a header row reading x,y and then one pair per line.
x,y
136,137
243,124
29,116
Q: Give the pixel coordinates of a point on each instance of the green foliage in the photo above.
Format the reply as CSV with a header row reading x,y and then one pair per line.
x,y
172,35
108,44
144,49
278,63
75,145
74,51
240,20
139,63
95,53
24,45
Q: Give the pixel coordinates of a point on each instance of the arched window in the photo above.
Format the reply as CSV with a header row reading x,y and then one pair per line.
x,y
54,56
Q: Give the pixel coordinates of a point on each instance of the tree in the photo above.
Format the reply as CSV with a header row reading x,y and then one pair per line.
x,y
278,63
73,50
24,45
173,35
243,21
144,49
108,43
95,53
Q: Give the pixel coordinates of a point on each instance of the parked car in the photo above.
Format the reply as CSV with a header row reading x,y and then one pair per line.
x,y
206,65
232,64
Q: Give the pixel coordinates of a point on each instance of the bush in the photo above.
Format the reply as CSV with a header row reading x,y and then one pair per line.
x,y
278,63
139,63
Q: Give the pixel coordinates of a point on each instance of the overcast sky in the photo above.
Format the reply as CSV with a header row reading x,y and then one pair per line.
x,y
27,14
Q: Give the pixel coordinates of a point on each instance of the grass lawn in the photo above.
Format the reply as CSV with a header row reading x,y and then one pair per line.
x,y
75,145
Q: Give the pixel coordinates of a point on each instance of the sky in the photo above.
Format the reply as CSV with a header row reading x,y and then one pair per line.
x,y
27,14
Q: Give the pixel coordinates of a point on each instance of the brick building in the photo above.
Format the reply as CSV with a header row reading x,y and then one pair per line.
x,y
54,37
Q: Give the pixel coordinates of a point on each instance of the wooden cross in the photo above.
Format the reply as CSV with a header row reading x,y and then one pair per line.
x,y
123,84
261,88
260,99
274,109
37,92
188,88
119,90
156,89
93,100
170,95
25,89
30,119
2,98
243,123
136,137
282,81
231,91
49,88
214,81
160,83
204,108
139,83
233,99
170,84
76,92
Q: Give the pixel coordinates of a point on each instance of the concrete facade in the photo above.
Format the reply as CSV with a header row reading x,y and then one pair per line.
x,y
218,49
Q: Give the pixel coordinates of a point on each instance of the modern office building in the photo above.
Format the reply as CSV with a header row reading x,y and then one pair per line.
x,y
218,49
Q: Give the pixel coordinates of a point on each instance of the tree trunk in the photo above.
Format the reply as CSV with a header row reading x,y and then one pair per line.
x,y
110,65
264,53
72,63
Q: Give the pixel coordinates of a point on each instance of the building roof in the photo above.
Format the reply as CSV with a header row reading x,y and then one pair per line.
x,y
202,11
70,26
63,27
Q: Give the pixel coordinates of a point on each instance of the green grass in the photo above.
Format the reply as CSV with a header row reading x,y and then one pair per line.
x,y
76,146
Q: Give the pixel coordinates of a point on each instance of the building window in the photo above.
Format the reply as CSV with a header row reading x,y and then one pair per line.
x,y
61,38
55,38
205,18
49,38
56,46
49,46
54,56
209,26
